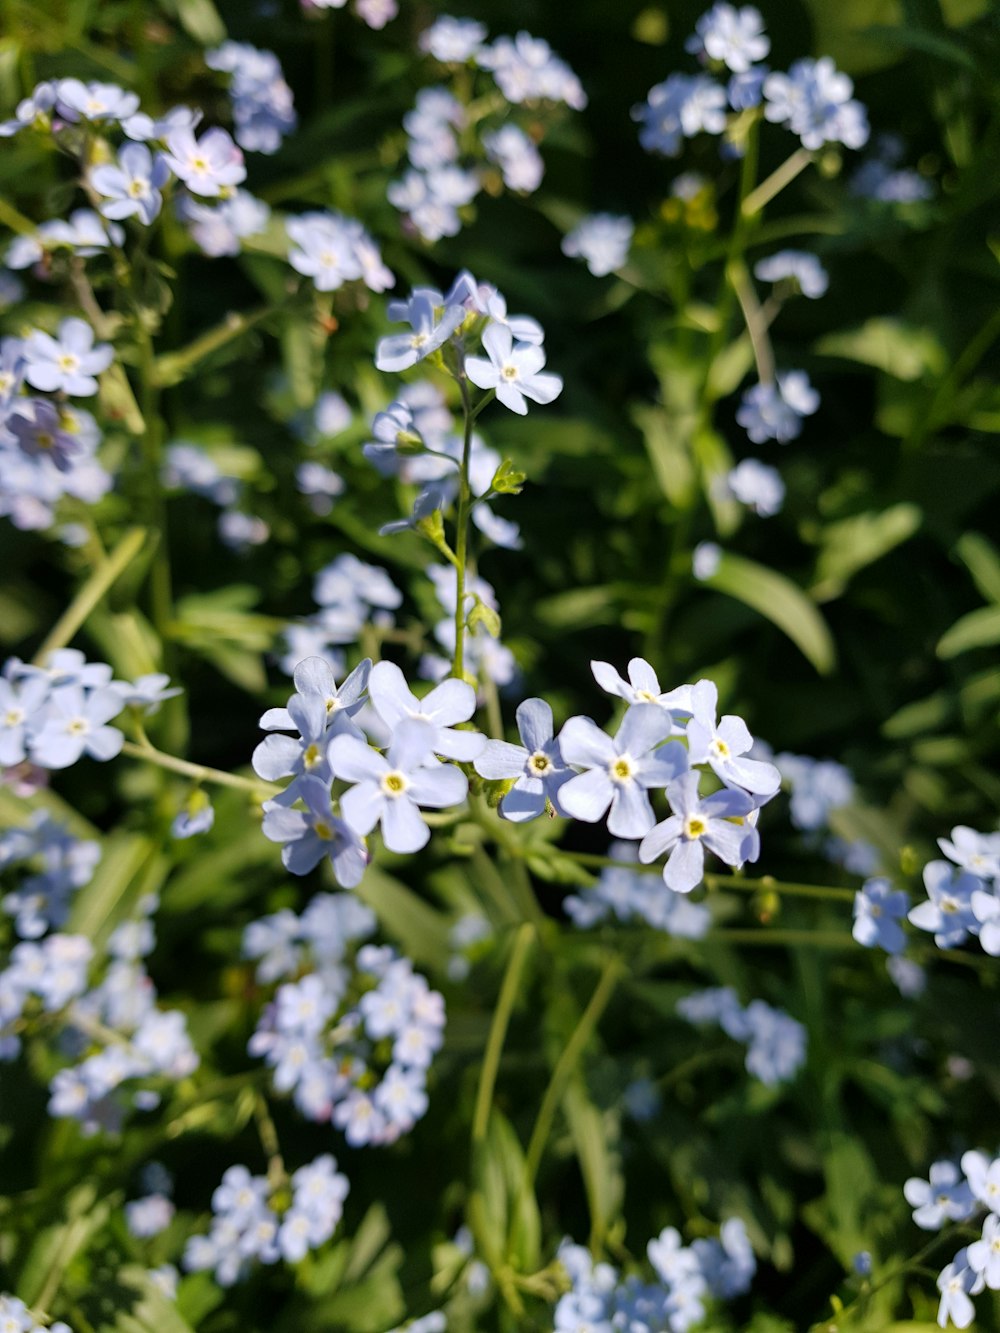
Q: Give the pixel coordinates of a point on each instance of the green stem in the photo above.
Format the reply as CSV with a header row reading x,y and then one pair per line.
x,y
818,939
765,884
462,534
92,591
160,577
172,367
198,772
758,199
755,319
498,1029
571,1053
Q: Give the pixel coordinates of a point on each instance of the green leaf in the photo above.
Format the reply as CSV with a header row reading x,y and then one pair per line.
x,y
780,601
129,862
901,350
199,19
982,560
669,454
151,1311
978,629
421,930
55,1247
853,543
591,1130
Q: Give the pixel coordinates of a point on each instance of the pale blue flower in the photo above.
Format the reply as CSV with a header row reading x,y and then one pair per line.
x,y
526,70
602,239
536,763
814,100
944,1197
431,330
76,100
131,188
979,853
774,410
757,486
390,788
515,154
722,745
679,108
76,724
734,36
219,229
68,362
448,704
37,427
514,371
643,687
948,908
878,911
694,825
620,771
453,41
209,166
798,266
310,835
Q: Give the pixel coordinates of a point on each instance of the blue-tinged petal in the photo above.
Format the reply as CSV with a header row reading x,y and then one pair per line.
x,y
642,676
308,712
481,372
465,746
392,697
631,813
727,803
349,860
685,866
498,342
53,747
276,719
750,774
524,801
500,760
534,723
725,840
314,675
315,793
355,684
104,743
402,828
664,765
683,793
609,680
396,352
588,795
705,702
411,745
699,739
510,395
438,787
275,757
583,742
543,388
282,825
643,726
304,855
362,806
354,761
450,702
735,733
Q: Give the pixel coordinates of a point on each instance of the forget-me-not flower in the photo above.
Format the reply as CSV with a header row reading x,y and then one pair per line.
x,y
694,825
537,764
449,703
514,370
431,330
620,771
209,166
878,911
131,187
67,362
734,36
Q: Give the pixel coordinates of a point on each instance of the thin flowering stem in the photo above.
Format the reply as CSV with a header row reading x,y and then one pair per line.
x,y
199,772
768,189
268,1134
785,939
765,884
462,532
523,940
99,583
755,318
611,973
173,367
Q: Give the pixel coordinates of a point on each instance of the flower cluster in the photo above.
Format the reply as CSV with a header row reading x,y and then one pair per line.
x,y
963,893
952,1194
350,594
332,249
775,1042
454,147
41,901
775,409
48,445
353,1045
624,893
262,101
688,1278
52,716
882,179
254,1219
602,240
113,1028
187,467
17,1318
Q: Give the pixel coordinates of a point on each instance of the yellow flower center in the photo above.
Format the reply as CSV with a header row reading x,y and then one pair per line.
x,y
695,826
621,769
539,763
394,784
